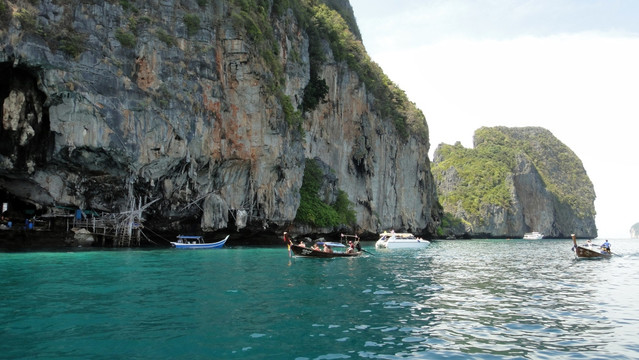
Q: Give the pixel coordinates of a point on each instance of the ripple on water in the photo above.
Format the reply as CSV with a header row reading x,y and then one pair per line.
x,y
457,300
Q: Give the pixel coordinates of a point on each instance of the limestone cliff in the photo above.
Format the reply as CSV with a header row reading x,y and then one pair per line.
x,y
203,106
515,180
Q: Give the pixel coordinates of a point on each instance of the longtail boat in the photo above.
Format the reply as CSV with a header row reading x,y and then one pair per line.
x,y
196,242
310,252
588,252
303,251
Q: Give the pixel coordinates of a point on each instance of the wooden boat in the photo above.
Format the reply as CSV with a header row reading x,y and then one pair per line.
x,y
588,252
309,252
196,242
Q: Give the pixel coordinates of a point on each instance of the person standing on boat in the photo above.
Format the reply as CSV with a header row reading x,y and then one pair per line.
x,y
288,244
605,246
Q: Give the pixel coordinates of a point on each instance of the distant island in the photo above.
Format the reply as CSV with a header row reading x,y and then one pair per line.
x,y
513,181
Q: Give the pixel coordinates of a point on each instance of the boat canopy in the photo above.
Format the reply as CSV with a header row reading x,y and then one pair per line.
x,y
331,244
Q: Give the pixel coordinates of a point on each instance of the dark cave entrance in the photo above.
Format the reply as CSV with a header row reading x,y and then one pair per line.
x,y
25,135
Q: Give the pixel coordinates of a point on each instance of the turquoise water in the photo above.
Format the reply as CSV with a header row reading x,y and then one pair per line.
x,y
481,299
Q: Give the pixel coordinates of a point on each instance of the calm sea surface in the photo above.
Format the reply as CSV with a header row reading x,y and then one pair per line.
x,y
480,299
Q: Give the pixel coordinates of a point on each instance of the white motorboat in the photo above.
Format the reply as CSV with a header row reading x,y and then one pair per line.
x,y
533,236
395,240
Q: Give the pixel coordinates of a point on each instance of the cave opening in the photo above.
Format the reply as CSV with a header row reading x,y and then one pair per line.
x,y
25,135
16,209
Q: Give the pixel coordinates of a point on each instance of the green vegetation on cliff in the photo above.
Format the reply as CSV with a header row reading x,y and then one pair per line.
x,y
482,172
561,170
327,21
391,101
313,210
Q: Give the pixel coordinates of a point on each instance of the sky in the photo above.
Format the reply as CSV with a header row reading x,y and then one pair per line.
x,y
569,66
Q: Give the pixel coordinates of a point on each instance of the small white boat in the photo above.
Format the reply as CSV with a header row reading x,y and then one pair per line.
x,y
533,236
394,240
196,242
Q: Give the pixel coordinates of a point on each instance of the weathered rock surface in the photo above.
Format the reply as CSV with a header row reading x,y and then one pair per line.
x,y
150,109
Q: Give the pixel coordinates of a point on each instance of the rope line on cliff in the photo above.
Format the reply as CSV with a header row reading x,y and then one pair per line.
x,y
158,235
147,238
195,201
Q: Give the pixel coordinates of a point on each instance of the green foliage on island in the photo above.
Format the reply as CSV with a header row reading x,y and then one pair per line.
x,y
560,169
166,38
71,43
483,172
59,36
125,38
192,22
127,6
449,221
27,19
292,116
314,93
313,210
5,14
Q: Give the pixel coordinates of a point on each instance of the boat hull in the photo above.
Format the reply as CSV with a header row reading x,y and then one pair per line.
x,y
308,252
400,241
582,252
533,236
215,245
414,244
587,252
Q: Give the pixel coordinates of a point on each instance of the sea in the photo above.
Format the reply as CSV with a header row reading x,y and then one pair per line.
x,y
458,299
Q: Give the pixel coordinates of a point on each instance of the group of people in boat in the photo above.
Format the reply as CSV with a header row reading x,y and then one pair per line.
x,y
316,247
352,246
605,247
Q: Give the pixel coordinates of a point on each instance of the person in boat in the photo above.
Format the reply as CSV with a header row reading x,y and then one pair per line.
x,y
605,247
316,247
357,245
301,244
351,247
327,249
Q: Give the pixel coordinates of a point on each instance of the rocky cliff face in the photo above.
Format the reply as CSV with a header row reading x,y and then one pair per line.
x,y
516,180
174,101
